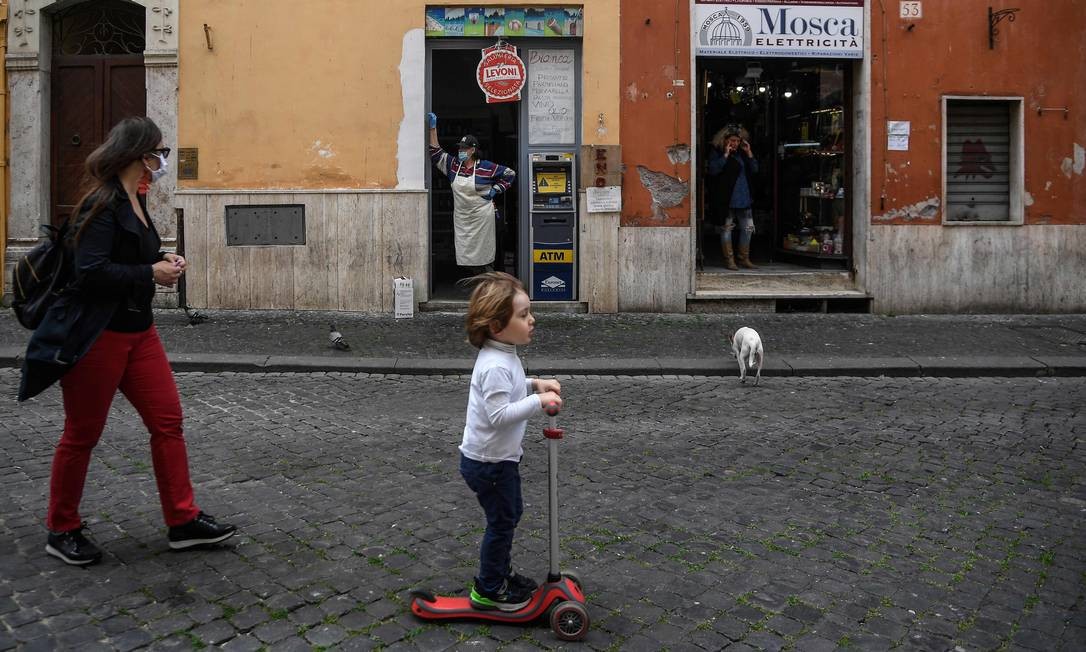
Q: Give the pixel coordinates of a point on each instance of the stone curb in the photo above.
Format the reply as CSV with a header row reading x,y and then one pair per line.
x,y
797,365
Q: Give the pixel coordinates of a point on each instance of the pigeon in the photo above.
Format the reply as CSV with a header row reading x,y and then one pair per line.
x,y
337,339
194,315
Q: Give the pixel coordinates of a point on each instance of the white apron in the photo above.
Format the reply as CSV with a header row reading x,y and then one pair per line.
x,y
473,224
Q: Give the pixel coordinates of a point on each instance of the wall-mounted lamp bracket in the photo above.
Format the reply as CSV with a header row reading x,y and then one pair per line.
x,y
994,18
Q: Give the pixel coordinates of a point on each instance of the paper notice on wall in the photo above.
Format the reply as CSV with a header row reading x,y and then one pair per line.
x,y
607,199
552,103
403,290
897,135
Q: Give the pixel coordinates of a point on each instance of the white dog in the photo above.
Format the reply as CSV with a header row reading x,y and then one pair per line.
x,y
747,349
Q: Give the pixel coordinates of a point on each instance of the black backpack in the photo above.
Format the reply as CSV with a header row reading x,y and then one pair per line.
x,y
42,275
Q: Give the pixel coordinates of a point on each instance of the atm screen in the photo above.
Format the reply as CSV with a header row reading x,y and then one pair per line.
x,y
551,183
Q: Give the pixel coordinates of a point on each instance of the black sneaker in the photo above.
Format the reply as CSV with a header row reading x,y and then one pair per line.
x,y
199,531
73,548
519,581
508,598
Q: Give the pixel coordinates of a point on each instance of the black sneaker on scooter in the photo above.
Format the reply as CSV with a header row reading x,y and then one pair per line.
x,y
199,531
507,598
72,547
521,582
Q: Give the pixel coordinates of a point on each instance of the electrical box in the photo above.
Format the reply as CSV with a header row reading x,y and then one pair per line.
x,y
265,224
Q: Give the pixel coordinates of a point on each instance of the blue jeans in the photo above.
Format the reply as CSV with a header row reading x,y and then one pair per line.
x,y
497,486
746,223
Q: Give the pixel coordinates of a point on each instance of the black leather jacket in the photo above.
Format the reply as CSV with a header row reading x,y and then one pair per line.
x,y
108,272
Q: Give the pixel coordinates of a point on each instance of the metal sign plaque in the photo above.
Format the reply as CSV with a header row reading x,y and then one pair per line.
x,y
188,163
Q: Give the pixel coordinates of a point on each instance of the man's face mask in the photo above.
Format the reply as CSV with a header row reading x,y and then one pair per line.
x,y
463,154
163,166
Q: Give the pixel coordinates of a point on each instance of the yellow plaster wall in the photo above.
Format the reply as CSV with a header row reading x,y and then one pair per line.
x,y
307,94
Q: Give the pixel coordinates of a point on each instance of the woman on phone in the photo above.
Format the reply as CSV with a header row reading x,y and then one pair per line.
x,y
732,166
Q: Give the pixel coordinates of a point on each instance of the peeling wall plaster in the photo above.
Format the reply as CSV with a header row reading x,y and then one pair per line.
x,y
410,143
922,210
1075,163
666,191
678,154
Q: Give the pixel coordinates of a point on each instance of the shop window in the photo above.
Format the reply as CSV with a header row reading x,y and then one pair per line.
x,y
982,160
795,117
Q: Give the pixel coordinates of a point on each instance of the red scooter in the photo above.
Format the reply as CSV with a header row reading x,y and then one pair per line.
x,y
561,598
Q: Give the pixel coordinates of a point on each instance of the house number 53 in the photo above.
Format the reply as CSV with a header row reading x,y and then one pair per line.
x,y
911,9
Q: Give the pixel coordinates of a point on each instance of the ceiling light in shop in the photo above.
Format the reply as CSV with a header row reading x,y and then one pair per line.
x,y
739,88
788,93
761,89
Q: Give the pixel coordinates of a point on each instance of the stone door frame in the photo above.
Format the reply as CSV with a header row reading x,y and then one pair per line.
x,y
29,65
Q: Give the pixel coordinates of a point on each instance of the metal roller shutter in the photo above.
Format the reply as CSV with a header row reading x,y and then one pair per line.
x,y
978,160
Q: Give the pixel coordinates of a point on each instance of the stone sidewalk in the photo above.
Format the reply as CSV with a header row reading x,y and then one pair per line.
x,y
638,344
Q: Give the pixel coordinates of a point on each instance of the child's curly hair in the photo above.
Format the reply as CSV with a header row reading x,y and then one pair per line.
x,y
490,305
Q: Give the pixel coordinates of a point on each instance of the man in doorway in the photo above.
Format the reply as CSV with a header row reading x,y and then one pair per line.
x,y
732,167
475,183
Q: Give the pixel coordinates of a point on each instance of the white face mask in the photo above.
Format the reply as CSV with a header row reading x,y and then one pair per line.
x,y
163,167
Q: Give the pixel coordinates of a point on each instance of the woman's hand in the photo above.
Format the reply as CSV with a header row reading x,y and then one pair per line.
x,y
547,385
746,149
178,261
166,273
431,119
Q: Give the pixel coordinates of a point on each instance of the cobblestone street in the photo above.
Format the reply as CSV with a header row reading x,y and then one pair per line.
x,y
806,514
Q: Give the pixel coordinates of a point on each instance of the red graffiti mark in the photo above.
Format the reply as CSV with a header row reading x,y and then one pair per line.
x,y
975,160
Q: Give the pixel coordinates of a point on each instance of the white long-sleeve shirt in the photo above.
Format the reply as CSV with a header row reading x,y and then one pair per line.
x,y
500,403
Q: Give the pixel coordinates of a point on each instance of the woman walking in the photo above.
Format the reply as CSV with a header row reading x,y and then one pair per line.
x,y
114,345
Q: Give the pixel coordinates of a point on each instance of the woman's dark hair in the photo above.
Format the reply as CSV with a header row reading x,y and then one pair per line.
x,y
130,140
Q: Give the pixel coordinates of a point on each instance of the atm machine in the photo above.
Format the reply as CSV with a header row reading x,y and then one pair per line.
x,y
552,235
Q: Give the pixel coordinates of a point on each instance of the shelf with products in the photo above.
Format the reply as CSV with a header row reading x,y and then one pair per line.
x,y
813,203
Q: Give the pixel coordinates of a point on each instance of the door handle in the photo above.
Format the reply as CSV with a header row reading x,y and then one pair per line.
x,y
76,140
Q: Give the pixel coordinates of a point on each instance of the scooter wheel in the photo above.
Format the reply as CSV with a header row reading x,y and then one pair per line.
x,y
575,578
569,620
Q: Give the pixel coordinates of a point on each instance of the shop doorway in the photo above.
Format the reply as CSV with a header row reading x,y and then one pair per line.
x,y
462,109
795,116
98,80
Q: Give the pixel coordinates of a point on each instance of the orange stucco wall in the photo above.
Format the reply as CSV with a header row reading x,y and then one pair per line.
x,y
1041,57
308,95
655,53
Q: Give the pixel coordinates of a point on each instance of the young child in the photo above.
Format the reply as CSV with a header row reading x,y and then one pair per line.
x,y
500,403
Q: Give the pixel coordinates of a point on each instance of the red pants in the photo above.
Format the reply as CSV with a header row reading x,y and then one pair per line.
x,y
136,364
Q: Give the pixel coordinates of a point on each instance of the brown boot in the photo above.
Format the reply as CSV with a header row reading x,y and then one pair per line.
x,y
744,257
729,256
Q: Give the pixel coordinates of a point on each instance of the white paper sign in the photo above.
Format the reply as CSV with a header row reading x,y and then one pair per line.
x,y
897,135
403,291
607,199
552,106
